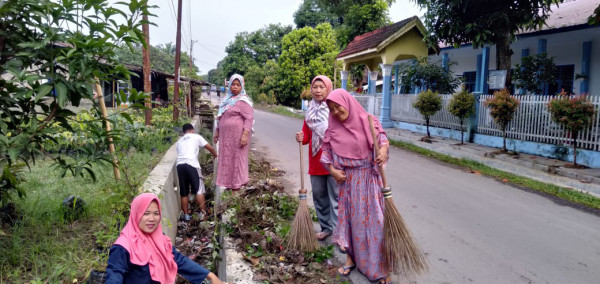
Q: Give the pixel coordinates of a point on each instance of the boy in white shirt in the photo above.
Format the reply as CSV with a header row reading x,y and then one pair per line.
x,y
188,168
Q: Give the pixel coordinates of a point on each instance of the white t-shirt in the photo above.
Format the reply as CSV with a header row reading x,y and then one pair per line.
x,y
188,147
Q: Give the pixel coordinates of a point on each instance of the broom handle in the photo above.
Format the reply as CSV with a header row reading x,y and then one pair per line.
x,y
301,167
376,147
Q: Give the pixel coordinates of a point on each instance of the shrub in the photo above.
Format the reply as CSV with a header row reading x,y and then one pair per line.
x,y
503,107
462,105
573,112
428,103
534,73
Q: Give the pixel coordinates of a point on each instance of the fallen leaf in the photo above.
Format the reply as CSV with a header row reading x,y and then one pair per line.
x,y
322,280
254,260
504,180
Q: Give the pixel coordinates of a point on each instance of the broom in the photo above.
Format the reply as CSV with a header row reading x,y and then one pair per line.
x,y
401,252
301,236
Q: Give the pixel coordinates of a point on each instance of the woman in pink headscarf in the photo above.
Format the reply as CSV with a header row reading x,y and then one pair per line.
x,y
143,254
234,130
324,188
348,154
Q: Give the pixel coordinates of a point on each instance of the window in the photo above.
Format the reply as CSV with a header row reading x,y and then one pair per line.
x,y
469,79
564,75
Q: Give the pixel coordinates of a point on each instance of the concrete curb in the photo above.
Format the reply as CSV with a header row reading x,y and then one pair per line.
x,y
539,172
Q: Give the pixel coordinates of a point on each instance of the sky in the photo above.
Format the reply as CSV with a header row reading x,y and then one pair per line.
x,y
212,25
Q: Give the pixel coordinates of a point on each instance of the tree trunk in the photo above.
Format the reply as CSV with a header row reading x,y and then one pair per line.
x,y
574,133
504,140
427,123
503,54
462,130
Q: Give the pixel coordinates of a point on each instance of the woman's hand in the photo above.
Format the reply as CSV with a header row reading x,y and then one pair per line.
x,y
382,156
300,136
338,175
214,279
244,139
216,136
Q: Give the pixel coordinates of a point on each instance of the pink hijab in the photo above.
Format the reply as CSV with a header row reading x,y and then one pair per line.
x,y
154,249
351,138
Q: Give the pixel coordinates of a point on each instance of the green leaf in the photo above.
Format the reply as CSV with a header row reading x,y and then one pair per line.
x,y
61,94
127,117
42,91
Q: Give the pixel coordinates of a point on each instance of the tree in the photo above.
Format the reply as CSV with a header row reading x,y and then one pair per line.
x,y
307,52
428,75
574,113
594,19
357,17
253,48
162,58
428,103
503,107
457,22
310,14
534,73
462,105
51,54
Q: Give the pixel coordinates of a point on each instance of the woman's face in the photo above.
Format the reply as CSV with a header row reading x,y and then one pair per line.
x,y
236,87
337,111
318,90
151,218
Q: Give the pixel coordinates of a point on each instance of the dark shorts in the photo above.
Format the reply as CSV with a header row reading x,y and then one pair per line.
x,y
188,177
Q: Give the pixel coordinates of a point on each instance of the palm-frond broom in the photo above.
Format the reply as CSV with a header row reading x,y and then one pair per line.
x,y
301,236
402,253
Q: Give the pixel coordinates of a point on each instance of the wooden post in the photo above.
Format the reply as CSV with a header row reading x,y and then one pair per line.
x,y
111,146
177,63
147,74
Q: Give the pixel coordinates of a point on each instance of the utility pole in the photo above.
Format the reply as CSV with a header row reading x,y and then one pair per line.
x,y
177,63
191,103
146,63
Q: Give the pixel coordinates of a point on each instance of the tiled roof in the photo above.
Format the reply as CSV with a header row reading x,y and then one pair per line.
x,y
373,39
570,13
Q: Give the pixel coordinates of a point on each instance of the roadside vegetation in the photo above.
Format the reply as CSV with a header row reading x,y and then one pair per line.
x,y
43,240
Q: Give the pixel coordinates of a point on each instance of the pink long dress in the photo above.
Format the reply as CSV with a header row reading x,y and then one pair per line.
x,y
232,171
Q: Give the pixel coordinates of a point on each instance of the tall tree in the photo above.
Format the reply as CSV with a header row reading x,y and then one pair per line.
x,y
357,16
457,22
307,52
162,58
311,14
253,48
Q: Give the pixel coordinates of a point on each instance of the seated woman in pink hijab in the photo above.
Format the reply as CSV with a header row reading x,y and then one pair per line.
x,y
143,254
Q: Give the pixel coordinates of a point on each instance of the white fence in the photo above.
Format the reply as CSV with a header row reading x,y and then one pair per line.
x,y
403,110
533,122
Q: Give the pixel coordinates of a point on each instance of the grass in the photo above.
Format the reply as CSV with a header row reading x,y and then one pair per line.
x,y
281,110
560,192
43,246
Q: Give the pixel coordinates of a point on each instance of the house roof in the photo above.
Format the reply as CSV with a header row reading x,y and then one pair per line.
x,y
570,13
373,39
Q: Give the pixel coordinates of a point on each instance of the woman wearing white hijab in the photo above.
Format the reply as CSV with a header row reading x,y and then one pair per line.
x,y
324,188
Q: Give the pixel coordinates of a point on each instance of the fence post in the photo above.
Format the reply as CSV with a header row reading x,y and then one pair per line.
x,y
473,120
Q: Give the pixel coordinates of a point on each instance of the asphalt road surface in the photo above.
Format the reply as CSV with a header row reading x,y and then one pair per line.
x,y
472,228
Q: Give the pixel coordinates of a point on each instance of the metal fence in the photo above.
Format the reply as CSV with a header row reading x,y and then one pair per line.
x,y
533,122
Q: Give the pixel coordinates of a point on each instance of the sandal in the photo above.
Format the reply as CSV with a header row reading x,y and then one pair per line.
x,y
384,280
321,236
346,268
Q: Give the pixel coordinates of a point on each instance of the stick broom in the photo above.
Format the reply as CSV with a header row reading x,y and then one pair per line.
x,y
402,253
301,236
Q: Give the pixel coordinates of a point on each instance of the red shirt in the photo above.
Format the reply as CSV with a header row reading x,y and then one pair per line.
x,y
315,168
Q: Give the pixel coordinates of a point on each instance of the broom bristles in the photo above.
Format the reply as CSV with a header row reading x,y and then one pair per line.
x,y
301,236
402,253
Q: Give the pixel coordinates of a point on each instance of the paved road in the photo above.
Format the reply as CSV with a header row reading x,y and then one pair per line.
x,y
473,229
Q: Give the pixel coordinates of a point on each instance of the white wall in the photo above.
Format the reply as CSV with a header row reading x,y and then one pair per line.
x,y
565,47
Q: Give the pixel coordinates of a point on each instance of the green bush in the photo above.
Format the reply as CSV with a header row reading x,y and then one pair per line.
x,y
503,107
428,103
462,105
574,113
